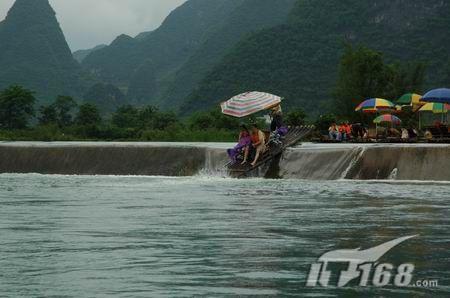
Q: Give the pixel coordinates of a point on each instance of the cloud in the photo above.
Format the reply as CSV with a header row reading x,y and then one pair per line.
x,y
87,23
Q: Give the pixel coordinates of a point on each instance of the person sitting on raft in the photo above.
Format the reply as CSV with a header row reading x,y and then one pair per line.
x,y
258,145
244,143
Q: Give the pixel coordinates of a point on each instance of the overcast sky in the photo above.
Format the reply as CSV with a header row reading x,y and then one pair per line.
x,y
87,23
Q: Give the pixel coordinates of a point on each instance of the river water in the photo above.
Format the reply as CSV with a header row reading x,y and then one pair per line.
x,y
86,236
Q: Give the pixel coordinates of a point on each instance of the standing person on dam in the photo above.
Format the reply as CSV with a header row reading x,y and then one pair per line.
x,y
277,127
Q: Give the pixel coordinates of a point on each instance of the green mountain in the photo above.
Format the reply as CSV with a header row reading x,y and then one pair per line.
x,y
299,59
249,16
159,52
162,67
106,97
80,55
35,54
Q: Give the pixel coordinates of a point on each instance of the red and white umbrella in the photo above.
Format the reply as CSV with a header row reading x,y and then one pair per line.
x,y
249,103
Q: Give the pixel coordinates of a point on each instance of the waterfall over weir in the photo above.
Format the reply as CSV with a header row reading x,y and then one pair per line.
x,y
309,161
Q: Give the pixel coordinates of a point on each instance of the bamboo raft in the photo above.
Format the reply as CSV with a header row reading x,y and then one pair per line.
x,y
274,150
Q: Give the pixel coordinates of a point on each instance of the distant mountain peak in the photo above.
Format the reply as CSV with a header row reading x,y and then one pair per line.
x,y
34,52
30,10
122,39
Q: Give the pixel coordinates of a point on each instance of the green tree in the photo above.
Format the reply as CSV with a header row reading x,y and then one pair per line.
x,y
48,115
64,106
407,78
88,114
165,120
147,116
16,107
126,117
213,119
201,121
295,117
323,122
363,74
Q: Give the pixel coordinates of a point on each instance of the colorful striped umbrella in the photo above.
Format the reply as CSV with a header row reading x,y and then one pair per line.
x,y
410,99
374,105
438,95
436,108
249,103
387,118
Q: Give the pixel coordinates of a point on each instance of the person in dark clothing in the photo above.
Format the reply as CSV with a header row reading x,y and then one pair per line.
x,y
277,127
358,131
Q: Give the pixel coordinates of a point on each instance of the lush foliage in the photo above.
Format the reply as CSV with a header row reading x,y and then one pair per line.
x,y
299,61
207,51
163,67
364,74
248,17
64,120
58,113
296,117
16,107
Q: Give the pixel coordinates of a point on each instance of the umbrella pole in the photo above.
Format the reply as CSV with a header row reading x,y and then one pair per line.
x,y
420,122
376,131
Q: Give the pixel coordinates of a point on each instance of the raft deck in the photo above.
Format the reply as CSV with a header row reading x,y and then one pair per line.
x,y
295,135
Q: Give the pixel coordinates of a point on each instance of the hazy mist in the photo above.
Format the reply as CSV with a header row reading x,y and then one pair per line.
x,y
87,23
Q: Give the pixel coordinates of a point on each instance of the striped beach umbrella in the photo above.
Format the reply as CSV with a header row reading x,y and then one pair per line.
x,y
375,105
436,108
410,99
249,103
438,95
387,118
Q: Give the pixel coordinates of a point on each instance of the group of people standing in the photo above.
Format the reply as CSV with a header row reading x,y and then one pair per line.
x,y
253,142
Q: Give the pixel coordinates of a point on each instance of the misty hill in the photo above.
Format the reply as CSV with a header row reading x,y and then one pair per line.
x,y
80,55
34,52
298,60
106,97
159,52
249,16
162,67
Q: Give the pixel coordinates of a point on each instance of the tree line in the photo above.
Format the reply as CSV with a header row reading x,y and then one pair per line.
x,y
363,73
65,120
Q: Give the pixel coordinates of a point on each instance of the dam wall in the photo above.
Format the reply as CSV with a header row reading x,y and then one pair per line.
x,y
308,161
367,162
108,158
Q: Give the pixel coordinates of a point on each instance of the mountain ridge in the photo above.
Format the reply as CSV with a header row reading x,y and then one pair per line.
x,y
250,16
299,60
34,52
166,47
80,55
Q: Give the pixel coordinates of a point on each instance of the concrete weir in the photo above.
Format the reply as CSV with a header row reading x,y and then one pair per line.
x,y
367,162
84,158
308,161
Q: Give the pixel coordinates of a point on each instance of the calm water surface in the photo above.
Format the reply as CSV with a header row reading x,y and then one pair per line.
x,y
155,236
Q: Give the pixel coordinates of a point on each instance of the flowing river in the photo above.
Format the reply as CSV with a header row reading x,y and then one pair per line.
x,y
117,236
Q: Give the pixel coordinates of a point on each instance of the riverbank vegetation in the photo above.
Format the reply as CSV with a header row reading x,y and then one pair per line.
x,y
363,73
65,120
